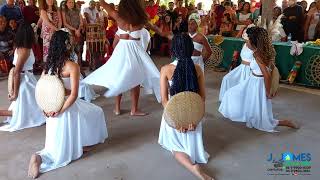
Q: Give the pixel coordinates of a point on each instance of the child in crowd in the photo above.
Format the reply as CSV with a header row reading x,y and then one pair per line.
x,y
226,26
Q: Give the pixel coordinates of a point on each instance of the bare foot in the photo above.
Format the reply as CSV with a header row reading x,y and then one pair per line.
x,y
87,149
34,166
138,113
201,174
289,123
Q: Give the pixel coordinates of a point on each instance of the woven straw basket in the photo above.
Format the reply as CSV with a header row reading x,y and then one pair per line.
x,y
183,109
10,81
50,93
274,81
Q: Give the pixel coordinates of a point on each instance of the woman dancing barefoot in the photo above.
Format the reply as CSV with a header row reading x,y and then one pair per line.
x,y
183,75
129,66
71,130
250,100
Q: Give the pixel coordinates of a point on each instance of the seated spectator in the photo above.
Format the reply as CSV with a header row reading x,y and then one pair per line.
x,y
11,11
240,6
226,26
6,41
230,11
276,29
211,25
13,26
242,16
179,26
204,25
248,23
31,12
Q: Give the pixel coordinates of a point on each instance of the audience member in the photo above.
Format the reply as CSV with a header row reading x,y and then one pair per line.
x,y
11,11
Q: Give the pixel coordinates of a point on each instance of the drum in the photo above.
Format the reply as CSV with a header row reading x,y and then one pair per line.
x,y
95,42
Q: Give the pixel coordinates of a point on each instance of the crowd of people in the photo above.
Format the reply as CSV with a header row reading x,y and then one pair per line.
x,y
293,21
79,124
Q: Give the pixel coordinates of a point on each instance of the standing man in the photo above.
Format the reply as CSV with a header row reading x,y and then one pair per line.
x,y
11,11
171,12
91,14
293,21
200,10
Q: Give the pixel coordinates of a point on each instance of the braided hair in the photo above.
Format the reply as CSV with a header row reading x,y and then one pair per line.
x,y
58,53
261,40
185,75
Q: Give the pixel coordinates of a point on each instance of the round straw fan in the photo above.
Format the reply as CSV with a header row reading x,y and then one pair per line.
x,y
10,81
183,109
50,93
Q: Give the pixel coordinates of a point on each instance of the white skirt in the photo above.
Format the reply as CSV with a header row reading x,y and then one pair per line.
x,y
248,102
83,124
128,67
189,143
85,91
25,111
233,78
198,60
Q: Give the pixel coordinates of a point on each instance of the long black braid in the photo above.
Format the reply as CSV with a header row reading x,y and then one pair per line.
x,y
58,54
185,75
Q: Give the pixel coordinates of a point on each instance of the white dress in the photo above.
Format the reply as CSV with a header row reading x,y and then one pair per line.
x,y
25,111
85,91
198,47
129,66
248,102
238,74
190,143
82,124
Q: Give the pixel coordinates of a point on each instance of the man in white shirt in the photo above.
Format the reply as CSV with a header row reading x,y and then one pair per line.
x,y
91,14
102,14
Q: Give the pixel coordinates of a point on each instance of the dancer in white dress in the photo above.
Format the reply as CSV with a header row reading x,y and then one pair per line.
x,y
250,100
202,50
239,74
23,111
86,92
130,65
182,75
77,125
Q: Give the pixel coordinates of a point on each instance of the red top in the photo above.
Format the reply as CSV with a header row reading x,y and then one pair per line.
x,y
31,14
182,11
152,10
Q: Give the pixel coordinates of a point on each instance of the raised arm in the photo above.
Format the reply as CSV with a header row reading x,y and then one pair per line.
x,y
207,48
111,12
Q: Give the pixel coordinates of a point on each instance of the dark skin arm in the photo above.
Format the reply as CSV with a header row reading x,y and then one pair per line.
x,y
207,49
23,55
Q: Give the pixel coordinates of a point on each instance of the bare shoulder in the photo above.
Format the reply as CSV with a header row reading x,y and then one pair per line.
x,y
71,66
167,68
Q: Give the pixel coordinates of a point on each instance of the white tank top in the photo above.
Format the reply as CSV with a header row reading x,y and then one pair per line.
x,y
246,53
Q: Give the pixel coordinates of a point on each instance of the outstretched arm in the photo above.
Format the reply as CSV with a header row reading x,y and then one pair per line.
x,y
111,12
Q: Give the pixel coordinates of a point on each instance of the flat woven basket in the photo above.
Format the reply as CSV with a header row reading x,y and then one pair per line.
x,y
10,81
183,109
50,93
